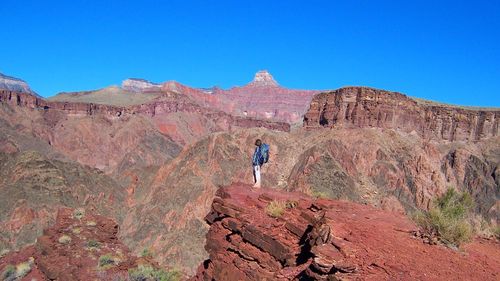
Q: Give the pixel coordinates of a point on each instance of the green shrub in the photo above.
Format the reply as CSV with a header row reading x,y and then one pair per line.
x,y
107,261
148,273
9,273
79,213
496,231
319,194
64,239
23,269
93,244
17,272
276,208
146,252
76,230
4,252
448,218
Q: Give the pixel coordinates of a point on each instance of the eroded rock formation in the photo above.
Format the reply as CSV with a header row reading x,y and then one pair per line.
x,y
14,84
327,240
367,107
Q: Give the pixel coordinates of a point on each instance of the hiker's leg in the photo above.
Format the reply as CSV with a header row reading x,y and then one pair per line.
x,y
254,175
256,170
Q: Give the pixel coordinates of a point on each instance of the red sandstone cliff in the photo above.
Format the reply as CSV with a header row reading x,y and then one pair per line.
x,y
327,240
367,107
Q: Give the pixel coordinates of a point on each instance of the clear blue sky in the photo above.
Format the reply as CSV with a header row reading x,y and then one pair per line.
x,y
447,51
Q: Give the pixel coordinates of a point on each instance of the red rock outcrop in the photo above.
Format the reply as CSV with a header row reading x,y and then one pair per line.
x,y
327,240
73,249
367,107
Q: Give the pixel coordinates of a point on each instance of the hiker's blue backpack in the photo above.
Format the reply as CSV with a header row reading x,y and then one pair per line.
x,y
264,152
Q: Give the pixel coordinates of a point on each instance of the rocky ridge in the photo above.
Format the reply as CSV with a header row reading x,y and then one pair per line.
x,y
14,84
264,98
367,107
139,85
327,240
263,78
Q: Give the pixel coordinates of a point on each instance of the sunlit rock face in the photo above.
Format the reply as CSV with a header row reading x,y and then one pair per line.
x,y
264,98
138,85
14,84
363,107
263,78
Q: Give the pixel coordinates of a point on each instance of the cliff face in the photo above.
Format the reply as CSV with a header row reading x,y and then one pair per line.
x,y
367,107
166,105
327,240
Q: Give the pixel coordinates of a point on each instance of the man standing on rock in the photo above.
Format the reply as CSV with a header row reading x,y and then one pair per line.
x,y
260,156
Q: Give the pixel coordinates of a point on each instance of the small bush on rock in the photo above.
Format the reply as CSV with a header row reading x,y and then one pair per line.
x,y
4,252
449,218
146,252
93,244
9,273
148,273
496,231
276,208
64,239
319,194
23,269
79,213
106,261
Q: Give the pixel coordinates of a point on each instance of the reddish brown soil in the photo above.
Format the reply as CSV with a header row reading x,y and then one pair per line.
x,y
352,242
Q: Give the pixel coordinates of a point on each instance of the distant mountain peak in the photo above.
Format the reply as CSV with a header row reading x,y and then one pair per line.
x,y
137,85
263,78
15,84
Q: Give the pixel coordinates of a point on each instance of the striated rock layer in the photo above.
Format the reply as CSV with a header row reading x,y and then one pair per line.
x,y
109,136
367,107
264,98
327,240
14,84
151,109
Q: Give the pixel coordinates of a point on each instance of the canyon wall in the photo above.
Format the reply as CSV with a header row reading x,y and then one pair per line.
x,y
178,103
367,107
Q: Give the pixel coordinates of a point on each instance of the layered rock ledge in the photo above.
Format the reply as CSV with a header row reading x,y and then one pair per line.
x,y
327,240
153,108
362,107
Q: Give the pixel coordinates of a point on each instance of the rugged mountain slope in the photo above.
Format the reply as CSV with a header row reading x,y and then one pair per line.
x,y
112,95
35,181
164,159
327,240
79,246
264,98
101,135
391,170
366,107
